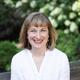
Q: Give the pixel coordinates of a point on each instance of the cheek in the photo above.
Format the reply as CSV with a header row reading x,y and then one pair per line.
x,y
30,37
46,36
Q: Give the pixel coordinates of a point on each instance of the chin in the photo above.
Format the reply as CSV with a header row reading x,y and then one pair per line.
x,y
39,46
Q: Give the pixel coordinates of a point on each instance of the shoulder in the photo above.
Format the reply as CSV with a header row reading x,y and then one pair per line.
x,y
20,55
59,54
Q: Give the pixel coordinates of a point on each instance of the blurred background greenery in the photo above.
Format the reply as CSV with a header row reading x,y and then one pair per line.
x,y
63,14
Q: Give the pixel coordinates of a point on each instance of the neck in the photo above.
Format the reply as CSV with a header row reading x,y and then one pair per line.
x,y
38,52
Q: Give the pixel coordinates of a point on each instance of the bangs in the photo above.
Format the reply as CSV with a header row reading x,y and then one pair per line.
x,y
39,21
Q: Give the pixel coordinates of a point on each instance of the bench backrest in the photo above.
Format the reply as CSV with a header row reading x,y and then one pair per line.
x,y
75,70
5,76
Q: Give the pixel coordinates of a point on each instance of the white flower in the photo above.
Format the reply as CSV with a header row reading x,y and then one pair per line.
x,y
42,10
24,1
62,5
74,6
9,2
53,22
56,11
62,17
33,4
66,31
72,15
78,13
73,27
18,4
51,7
67,22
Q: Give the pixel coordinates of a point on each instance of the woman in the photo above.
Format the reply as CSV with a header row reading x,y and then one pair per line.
x,y
39,59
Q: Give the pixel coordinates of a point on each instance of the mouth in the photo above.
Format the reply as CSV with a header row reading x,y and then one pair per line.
x,y
38,41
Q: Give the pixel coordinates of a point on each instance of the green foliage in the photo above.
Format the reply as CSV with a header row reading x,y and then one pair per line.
x,y
58,11
7,50
64,14
69,43
9,22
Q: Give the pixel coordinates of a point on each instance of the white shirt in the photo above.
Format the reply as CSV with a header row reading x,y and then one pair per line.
x,y
55,66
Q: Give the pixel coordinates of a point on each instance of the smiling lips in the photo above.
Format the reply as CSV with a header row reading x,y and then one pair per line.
x,y
38,41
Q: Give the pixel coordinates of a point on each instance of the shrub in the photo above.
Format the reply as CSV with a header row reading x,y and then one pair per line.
x,y
7,50
69,43
10,23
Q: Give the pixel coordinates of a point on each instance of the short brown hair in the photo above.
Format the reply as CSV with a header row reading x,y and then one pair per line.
x,y
37,19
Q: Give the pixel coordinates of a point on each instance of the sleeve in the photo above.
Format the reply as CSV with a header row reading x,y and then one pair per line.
x,y
15,73
65,69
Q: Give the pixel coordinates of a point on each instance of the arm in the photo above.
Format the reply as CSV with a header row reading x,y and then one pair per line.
x,y
15,73
65,69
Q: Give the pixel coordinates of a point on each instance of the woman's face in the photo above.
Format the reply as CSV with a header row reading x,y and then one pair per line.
x,y
38,36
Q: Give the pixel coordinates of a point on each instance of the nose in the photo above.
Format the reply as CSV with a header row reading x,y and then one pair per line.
x,y
38,35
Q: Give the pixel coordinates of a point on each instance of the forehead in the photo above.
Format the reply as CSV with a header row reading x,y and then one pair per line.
x,y
38,25
37,28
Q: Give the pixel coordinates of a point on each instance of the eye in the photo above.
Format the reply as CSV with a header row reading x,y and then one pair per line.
x,y
33,30
43,30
